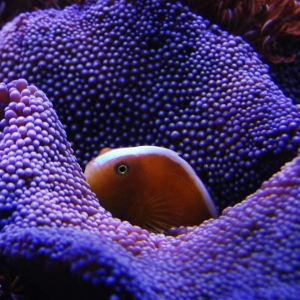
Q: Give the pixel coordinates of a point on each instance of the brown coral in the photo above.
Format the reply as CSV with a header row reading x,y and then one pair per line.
x,y
266,24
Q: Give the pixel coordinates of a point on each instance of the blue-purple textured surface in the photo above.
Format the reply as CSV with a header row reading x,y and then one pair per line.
x,y
149,72
180,83
55,225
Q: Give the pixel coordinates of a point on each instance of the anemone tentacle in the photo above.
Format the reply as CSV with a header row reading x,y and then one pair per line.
x,y
270,26
168,78
53,224
122,73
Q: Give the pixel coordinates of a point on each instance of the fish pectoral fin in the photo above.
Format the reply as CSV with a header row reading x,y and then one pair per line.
x,y
161,213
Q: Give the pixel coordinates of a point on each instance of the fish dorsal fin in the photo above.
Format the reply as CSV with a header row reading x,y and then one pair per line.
x,y
104,150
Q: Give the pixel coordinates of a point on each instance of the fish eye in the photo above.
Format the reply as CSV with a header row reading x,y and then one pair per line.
x,y
122,169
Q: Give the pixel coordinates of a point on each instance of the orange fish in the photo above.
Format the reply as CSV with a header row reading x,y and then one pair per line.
x,y
149,186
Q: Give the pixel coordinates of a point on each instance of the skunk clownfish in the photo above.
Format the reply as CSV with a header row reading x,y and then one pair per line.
x,y
149,186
